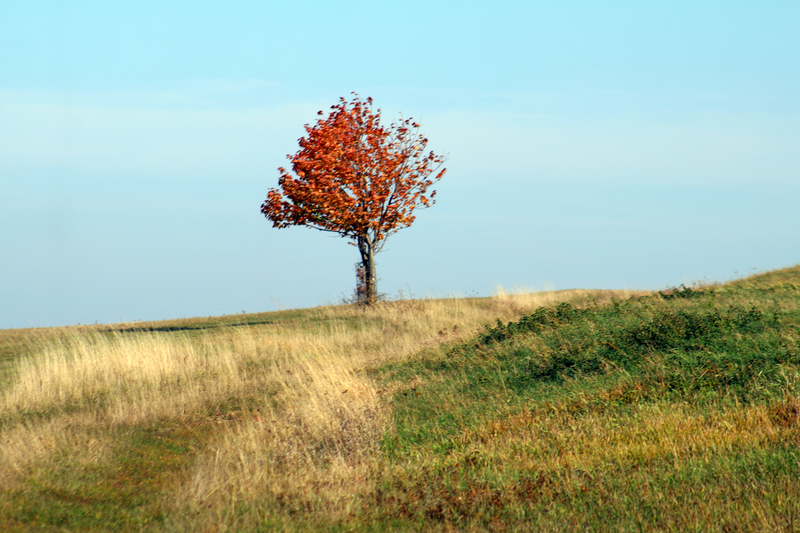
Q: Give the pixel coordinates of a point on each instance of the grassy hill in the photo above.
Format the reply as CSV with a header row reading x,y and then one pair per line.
x,y
557,411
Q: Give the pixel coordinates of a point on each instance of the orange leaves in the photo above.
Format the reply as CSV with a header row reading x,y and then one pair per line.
x,y
355,177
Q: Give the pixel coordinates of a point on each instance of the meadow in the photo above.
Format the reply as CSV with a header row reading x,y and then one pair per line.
x,y
676,410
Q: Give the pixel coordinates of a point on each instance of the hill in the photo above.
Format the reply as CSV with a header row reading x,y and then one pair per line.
x,y
676,411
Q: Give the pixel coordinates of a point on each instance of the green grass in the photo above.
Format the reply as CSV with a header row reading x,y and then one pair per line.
x,y
677,411
468,449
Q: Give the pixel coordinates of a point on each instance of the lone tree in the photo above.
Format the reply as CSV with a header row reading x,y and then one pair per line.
x,y
356,178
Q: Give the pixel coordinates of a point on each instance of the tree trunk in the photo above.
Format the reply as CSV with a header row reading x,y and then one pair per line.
x,y
365,247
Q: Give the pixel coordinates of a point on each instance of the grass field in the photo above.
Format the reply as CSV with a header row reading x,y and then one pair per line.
x,y
555,411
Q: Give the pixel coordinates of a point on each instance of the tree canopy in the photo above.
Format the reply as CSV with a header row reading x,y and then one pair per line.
x,y
356,177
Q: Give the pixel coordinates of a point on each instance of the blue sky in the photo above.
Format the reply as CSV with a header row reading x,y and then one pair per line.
x,y
597,145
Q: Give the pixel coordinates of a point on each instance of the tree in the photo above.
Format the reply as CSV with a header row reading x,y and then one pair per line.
x,y
356,178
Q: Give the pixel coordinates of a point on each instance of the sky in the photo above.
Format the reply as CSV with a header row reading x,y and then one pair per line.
x,y
604,145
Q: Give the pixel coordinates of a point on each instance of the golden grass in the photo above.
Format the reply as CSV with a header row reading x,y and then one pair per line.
x,y
320,447
564,442
132,378
29,443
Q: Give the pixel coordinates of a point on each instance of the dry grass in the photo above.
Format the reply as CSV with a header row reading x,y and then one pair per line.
x,y
565,442
317,450
127,378
29,443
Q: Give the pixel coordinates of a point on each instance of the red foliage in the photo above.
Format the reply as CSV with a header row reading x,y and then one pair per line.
x,y
354,177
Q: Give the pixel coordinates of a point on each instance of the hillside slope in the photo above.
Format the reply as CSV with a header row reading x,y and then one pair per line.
x,y
573,410
678,411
